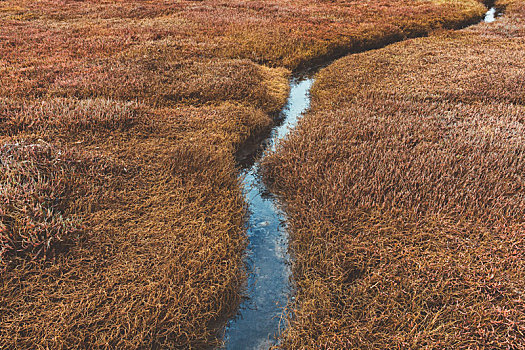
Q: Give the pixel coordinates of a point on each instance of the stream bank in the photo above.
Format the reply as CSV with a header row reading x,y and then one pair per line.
x,y
261,316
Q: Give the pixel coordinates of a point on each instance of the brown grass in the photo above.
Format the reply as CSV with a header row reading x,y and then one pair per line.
x,y
39,186
404,188
62,114
137,109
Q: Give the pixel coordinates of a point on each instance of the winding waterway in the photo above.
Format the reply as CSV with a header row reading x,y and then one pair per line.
x,y
260,318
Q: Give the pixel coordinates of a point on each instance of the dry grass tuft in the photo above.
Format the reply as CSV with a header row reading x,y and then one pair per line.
x,y
32,191
39,181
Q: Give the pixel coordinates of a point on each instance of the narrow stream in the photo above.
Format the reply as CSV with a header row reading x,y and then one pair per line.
x,y
259,319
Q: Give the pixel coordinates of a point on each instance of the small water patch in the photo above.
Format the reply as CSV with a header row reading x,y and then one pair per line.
x,y
491,15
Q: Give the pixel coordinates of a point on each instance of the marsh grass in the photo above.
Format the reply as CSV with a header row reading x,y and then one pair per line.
x,y
141,107
404,190
39,181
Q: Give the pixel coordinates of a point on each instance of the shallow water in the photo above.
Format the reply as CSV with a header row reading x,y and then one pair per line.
x,y
491,15
260,316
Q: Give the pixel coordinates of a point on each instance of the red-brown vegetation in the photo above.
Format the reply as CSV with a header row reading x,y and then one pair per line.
x,y
405,192
119,121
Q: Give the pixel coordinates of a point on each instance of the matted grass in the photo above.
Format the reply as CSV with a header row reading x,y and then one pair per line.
x,y
133,232
405,193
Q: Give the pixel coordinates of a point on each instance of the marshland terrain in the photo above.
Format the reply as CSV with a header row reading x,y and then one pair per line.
x,y
125,126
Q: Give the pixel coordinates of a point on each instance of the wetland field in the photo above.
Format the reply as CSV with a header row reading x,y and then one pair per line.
x,y
255,174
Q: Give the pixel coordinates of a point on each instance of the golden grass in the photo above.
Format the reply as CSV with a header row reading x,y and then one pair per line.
x,y
298,39
404,188
138,109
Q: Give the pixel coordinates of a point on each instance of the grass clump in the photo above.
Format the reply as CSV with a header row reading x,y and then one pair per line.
x,y
404,189
39,184
327,30
32,189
